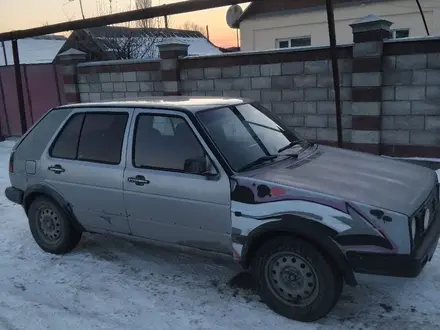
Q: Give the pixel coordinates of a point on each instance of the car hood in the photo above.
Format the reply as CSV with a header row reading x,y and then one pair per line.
x,y
354,176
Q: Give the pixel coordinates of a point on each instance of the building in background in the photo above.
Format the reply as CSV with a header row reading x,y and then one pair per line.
x,y
299,23
122,43
37,50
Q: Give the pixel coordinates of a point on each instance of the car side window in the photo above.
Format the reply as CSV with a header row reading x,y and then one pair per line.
x,y
94,137
66,143
154,148
102,136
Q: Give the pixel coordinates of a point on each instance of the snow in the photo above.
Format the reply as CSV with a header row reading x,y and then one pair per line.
x,y
33,51
145,47
108,283
200,46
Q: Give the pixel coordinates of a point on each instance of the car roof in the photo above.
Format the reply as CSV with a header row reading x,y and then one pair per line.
x,y
182,103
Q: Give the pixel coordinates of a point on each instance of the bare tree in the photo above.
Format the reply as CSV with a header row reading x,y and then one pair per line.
x,y
130,40
192,26
155,22
132,43
102,9
82,9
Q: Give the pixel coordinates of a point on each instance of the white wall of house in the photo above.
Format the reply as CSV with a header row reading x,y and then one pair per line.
x,y
266,31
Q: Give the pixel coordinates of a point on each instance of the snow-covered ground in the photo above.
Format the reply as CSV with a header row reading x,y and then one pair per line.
x,y
107,283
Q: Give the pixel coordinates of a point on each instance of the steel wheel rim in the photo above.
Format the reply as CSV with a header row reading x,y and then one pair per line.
x,y
49,225
292,279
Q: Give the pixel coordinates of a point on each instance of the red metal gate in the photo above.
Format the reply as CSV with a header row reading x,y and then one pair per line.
x,y
42,88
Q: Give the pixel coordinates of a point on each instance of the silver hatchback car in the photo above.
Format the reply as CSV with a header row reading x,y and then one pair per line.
x,y
226,176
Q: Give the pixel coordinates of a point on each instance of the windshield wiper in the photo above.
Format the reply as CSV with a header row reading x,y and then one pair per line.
x,y
258,161
290,145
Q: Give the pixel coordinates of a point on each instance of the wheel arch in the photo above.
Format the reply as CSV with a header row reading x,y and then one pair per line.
x,y
316,233
39,190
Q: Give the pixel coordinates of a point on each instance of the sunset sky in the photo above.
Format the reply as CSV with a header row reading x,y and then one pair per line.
x,y
21,14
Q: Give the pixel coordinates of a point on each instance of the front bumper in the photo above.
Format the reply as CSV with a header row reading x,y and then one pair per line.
x,y
14,195
398,265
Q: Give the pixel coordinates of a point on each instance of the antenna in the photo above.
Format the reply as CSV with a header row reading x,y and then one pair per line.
x,y
233,14
423,16
238,40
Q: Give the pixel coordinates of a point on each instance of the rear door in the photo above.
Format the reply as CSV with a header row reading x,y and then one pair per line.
x,y
163,201
85,164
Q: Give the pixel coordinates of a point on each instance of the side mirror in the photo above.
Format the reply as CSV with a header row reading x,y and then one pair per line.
x,y
195,165
198,166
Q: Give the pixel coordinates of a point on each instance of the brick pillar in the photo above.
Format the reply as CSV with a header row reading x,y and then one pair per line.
x,y
69,59
170,51
368,35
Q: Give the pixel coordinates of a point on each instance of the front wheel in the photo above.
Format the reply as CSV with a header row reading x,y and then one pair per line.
x,y
296,280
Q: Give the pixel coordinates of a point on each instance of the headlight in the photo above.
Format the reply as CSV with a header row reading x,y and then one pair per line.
x,y
413,228
426,219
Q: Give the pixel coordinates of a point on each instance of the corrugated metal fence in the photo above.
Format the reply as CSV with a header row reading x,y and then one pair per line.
x,y
42,87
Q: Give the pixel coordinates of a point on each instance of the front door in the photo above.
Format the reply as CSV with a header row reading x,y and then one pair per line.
x,y
85,164
163,201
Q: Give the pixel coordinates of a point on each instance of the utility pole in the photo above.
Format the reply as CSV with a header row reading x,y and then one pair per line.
x,y
335,69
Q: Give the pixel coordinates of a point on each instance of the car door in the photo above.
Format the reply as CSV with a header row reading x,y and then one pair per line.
x,y
164,202
85,163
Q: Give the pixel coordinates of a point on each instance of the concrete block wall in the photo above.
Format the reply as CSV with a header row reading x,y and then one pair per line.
x,y
297,90
390,90
411,100
118,80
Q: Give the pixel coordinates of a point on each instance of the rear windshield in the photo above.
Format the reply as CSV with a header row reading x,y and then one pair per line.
x,y
33,145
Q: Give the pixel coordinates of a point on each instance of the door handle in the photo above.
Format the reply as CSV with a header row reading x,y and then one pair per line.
x,y
138,180
57,169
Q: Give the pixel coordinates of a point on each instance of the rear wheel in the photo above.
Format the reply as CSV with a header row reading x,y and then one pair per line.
x,y
296,280
51,228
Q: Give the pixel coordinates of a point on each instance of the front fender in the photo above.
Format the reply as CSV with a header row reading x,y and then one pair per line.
x,y
315,232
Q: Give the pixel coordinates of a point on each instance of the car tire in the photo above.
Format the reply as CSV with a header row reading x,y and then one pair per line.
x,y
296,280
51,228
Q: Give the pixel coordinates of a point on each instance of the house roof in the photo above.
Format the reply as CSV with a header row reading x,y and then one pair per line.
x,y
121,31
276,7
198,43
33,50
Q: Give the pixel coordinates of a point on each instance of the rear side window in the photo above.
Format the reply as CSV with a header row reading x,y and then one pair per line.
x,y
93,137
33,145
67,142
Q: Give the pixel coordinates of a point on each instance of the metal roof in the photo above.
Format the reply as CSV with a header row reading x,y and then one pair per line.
x,y
285,7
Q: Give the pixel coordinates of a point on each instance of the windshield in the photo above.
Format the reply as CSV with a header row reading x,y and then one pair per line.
x,y
246,133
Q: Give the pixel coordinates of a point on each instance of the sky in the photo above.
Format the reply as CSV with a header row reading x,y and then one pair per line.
x,y
22,14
